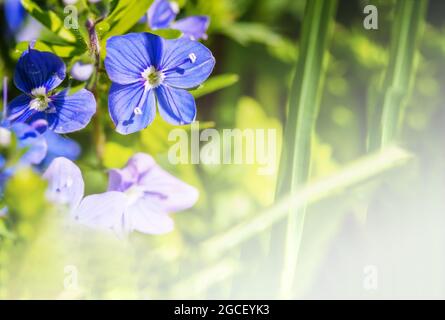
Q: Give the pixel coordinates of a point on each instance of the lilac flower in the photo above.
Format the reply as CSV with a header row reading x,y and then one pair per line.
x,y
139,198
144,69
162,14
65,183
37,74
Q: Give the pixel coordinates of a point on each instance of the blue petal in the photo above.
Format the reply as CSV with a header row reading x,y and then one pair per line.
x,y
161,14
194,27
129,55
34,142
18,109
73,112
176,106
15,14
38,69
131,107
186,63
65,183
2,161
59,146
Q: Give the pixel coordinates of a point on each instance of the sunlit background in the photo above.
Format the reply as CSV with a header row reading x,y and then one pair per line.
x,y
373,212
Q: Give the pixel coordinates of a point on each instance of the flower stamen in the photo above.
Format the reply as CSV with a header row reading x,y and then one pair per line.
x,y
41,100
153,78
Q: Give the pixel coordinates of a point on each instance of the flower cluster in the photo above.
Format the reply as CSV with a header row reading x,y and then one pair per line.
x,y
148,73
139,197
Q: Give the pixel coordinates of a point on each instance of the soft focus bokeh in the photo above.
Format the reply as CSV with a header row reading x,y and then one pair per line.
x,y
374,220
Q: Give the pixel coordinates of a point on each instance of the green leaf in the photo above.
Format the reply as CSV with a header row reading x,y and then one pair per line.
x,y
246,33
63,50
50,20
215,83
386,117
167,33
125,15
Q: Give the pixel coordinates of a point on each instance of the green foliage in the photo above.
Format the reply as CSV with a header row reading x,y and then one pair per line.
x,y
50,20
124,15
215,83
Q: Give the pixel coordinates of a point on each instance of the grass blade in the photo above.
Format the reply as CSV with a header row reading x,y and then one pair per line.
x,y
360,171
388,114
304,103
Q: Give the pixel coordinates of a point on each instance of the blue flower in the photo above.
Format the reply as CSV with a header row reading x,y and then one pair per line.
x,y
14,14
37,74
162,15
60,146
145,68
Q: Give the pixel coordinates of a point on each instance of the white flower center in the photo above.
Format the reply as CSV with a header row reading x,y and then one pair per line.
x,y
41,100
134,193
153,78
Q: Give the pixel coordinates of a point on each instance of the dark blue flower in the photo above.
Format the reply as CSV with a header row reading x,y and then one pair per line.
x,y
144,69
162,15
37,74
14,14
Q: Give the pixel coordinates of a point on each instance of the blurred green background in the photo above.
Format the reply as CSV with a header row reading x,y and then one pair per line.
x,y
390,221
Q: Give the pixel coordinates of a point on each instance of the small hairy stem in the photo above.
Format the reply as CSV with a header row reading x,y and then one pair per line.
x,y
99,137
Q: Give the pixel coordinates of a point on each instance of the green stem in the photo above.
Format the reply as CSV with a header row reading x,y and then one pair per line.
x,y
387,117
99,137
304,103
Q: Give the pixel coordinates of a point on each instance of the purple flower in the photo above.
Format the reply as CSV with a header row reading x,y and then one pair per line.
x,y
144,69
65,183
37,74
139,198
162,15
